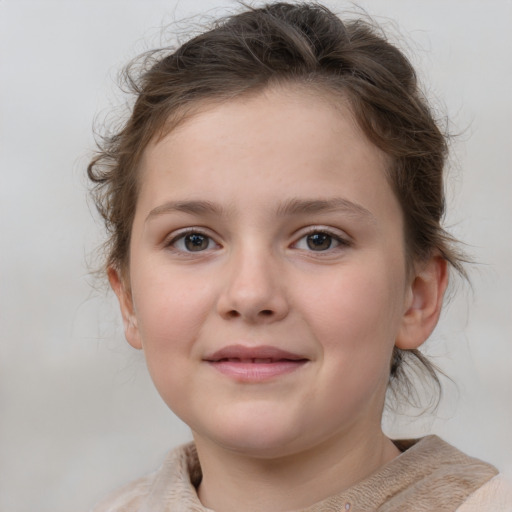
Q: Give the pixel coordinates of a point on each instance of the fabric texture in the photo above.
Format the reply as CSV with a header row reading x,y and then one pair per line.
x,y
430,475
495,496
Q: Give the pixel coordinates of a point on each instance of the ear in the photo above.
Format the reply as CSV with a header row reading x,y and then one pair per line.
x,y
124,297
424,303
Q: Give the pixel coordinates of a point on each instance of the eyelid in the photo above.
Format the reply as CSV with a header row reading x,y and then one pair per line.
x,y
321,228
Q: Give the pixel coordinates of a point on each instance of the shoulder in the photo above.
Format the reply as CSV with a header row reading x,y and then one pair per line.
x,y
431,474
494,495
173,483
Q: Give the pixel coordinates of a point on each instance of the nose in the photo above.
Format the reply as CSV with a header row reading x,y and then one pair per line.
x,y
254,290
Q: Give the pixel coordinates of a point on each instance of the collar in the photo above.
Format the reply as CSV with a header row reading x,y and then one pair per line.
x,y
429,475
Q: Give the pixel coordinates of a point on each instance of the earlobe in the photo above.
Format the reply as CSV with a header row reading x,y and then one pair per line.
x,y
424,303
124,297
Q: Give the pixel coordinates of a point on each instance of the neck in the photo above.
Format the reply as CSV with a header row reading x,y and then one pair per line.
x,y
234,481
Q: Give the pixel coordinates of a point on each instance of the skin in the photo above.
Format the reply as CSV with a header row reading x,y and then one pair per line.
x,y
247,177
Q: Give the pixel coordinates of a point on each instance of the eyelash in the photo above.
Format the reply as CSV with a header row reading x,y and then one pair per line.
x,y
181,236
341,242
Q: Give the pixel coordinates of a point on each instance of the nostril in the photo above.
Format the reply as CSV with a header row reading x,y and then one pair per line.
x,y
233,313
266,312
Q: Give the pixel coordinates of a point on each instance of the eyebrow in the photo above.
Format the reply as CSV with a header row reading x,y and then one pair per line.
x,y
301,206
290,207
192,207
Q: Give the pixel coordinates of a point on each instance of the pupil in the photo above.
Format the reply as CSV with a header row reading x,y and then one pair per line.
x,y
319,241
196,242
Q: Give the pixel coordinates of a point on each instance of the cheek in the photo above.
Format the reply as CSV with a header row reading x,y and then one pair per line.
x,y
355,324
358,314
170,311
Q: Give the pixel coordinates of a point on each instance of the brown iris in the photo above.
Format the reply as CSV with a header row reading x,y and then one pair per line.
x,y
319,241
196,242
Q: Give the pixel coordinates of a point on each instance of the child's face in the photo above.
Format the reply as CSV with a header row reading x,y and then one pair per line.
x,y
267,224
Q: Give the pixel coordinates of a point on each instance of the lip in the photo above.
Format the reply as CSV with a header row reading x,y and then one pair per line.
x,y
254,364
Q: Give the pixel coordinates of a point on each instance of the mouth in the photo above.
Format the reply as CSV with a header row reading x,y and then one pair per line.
x,y
254,364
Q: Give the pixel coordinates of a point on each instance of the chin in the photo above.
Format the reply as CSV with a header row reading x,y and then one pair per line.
x,y
259,435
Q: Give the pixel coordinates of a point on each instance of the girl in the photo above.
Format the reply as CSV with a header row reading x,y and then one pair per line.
x,y
274,205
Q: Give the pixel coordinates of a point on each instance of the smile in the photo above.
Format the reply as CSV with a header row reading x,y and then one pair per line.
x,y
254,364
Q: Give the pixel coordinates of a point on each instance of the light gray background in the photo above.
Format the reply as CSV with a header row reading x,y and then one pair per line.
x,y
78,415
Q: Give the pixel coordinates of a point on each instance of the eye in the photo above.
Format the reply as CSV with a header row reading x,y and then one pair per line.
x,y
320,241
193,241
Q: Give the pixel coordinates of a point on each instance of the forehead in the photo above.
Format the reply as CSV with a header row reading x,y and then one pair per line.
x,y
276,143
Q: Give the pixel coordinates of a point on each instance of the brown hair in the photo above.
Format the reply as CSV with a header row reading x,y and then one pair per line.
x,y
283,43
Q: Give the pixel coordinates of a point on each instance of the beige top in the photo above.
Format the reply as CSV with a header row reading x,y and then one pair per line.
x,y
430,475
